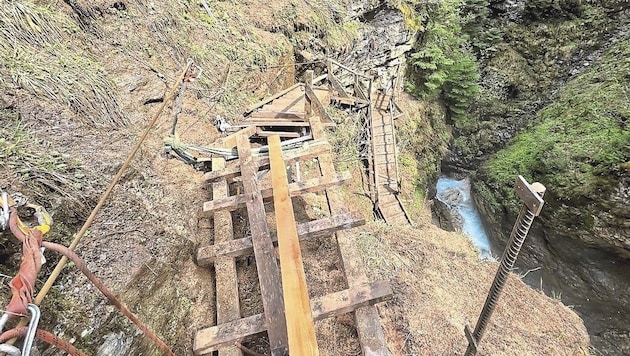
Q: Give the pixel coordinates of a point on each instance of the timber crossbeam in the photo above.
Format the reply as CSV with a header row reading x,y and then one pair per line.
x,y
317,228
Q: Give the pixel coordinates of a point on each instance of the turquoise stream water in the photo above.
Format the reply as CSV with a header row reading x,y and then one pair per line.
x,y
472,224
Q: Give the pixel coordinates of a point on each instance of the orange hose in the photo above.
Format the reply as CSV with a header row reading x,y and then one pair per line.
x,y
44,336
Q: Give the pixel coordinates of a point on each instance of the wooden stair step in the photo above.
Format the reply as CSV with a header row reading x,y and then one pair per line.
x,y
397,217
338,303
207,255
288,106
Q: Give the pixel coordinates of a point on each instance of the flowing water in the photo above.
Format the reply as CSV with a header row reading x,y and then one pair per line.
x,y
456,195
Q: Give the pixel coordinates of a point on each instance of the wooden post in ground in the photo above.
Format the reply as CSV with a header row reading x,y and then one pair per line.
x,y
300,329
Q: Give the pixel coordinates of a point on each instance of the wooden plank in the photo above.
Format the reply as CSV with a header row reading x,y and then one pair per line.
x,y
268,271
318,106
300,329
290,104
277,122
276,115
359,296
371,335
206,255
349,101
308,80
263,133
227,299
208,340
296,189
333,80
307,151
271,98
320,78
230,140
348,300
349,69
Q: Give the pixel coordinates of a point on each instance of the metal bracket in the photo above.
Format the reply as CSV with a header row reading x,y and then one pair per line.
x,y
32,329
531,195
472,343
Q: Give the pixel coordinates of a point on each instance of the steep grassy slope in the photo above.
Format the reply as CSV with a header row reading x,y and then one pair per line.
x,y
580,148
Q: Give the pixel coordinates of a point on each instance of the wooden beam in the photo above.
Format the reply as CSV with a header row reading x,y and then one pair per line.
x,y
209,339
349,69
266,265
279,122
206,255
296,189
319,107
308,80
349,101
276,115
351,299
230,140
307,151
334,82
271,98
300,329
368,324
228,305
263,133
320,78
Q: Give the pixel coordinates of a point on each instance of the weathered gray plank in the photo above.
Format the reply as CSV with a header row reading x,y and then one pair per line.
x,y
308,150
268,271
206,255
358,296
368,323
298,188
228,305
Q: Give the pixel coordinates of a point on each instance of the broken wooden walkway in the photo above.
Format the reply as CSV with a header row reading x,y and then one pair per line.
x,y
379,112
384,162
297,114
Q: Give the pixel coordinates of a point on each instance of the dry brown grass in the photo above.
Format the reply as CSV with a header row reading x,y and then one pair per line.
x,y
41,51
440,286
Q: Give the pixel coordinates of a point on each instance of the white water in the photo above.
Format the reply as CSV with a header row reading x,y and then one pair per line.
x,y
471,220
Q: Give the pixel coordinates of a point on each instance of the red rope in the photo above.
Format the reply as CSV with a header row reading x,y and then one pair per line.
x,y
44,336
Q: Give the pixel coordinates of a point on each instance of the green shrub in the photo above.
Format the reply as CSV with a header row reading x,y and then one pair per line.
x,y
441,65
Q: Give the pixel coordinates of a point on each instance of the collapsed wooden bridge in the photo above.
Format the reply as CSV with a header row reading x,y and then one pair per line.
x,y
278,132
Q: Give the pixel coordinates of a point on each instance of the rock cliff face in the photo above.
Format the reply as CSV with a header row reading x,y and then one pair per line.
x,y
555,110
382,43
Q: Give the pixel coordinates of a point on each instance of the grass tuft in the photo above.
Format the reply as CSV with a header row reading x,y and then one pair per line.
x,y
37,55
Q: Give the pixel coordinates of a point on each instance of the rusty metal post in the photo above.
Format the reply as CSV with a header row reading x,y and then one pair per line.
x,y
531,195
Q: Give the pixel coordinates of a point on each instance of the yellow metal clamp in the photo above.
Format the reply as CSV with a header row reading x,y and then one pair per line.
x,y
43,218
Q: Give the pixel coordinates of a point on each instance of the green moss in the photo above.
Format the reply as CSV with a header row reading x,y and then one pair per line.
x,y
582,141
